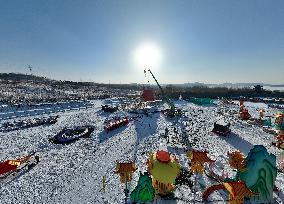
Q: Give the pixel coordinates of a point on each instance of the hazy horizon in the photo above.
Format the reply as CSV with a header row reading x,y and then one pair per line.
x,y
238,84
209,41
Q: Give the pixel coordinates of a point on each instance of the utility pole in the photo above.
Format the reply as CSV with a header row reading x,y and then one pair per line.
x,y
126,191
109,88
30,69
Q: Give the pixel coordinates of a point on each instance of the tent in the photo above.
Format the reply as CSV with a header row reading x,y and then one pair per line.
x,y
202,101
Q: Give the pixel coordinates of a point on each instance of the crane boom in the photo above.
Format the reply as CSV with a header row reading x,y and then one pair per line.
x,y
157,82
162,91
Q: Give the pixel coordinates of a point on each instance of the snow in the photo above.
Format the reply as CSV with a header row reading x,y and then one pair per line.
x,y
73,173
8,112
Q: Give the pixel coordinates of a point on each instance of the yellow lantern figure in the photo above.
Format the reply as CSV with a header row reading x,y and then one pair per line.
x,y
164,169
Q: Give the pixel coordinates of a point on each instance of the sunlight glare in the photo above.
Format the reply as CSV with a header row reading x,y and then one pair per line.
x,y
148,55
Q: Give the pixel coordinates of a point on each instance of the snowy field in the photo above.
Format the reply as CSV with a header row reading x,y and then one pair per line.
x,y
73,173
11,112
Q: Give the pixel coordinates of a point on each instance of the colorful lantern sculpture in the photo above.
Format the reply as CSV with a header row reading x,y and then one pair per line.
x,y
237,161
11,165
241,105
260,174
125,171
198,158
280,140
261,113
237,190
144,191
279,121
164,169
116,124
244,114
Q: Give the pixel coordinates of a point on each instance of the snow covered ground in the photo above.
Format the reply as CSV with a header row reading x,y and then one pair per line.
x,y
73,173
12,112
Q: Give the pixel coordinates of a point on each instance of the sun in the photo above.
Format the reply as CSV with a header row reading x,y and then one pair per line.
x,y
148,55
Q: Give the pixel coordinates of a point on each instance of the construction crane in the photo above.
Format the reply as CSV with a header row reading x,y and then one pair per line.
x,y
165,97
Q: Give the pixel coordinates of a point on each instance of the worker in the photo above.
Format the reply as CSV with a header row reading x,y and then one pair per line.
x,y
166,131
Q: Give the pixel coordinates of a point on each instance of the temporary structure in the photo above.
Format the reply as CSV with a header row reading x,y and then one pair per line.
x,y
148,95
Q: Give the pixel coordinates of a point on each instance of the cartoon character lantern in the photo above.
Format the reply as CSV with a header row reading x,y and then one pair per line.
x,y
164,169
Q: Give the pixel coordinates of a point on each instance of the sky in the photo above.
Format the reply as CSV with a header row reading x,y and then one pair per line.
x,y
210,41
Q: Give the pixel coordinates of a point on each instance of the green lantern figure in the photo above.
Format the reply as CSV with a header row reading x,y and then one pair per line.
x,y
144,191
260,174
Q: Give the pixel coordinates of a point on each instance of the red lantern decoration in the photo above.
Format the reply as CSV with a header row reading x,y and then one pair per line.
x,y
148,95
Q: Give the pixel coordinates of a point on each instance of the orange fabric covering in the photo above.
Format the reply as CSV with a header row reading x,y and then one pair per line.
x,y
6,167
148,95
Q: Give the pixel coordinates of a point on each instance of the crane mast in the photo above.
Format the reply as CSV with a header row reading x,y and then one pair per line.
x,y
162,91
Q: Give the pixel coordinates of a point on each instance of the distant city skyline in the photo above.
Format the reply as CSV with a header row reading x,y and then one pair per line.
x,y
210,41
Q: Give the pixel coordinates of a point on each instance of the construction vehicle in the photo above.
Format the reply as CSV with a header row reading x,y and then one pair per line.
x,y
172,111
